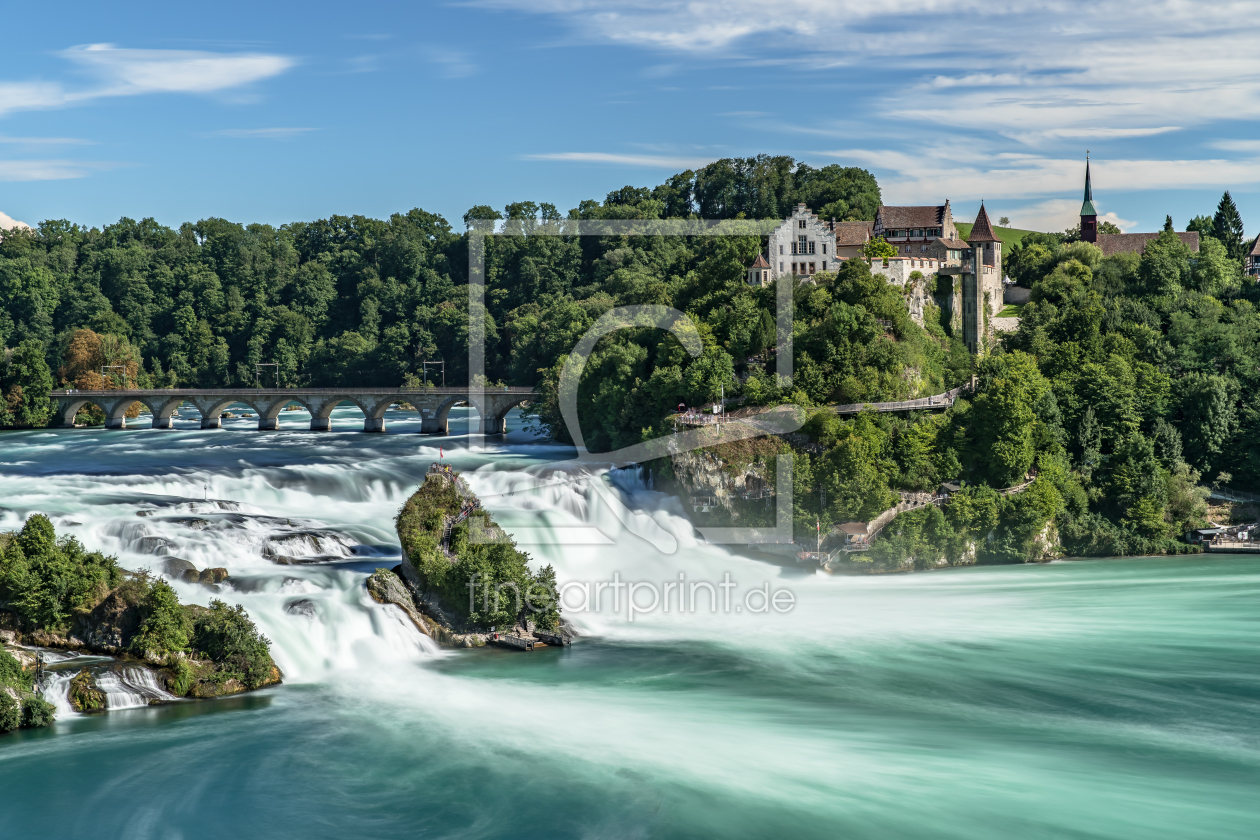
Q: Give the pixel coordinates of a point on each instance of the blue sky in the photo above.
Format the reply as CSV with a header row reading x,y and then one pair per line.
x,y
276,112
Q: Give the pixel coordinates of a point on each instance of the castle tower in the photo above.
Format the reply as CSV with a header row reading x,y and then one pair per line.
x,y
759,272
982,287
1089,216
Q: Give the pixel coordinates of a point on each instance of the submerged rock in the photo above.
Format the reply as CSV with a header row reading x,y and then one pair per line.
x,y
301,547
302,606
175,567
154,545
208,577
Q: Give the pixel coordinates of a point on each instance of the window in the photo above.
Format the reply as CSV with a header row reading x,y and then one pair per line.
x,y
780,254
811,268
765,275
780,265
824,250
801,224
793,247
811,247
918,232
824,268
801,240
793,268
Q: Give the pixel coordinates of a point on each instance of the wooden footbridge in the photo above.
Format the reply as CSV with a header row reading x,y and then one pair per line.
x,y
432,404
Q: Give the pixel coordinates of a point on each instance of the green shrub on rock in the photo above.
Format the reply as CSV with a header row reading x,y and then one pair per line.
x,y
37,712
166,627
10,713
45,579
226,636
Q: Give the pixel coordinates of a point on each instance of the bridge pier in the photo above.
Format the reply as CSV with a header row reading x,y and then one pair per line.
x,y
321,424
432,426
374,424
162,422
112,422
268,424
215,422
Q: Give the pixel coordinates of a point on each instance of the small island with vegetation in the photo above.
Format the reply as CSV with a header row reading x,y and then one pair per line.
x,y
462,580
56,594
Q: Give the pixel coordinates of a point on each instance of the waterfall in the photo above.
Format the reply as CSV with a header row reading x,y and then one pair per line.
x,y
130,687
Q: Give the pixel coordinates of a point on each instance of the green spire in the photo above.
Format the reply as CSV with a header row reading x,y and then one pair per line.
x,y
1087,209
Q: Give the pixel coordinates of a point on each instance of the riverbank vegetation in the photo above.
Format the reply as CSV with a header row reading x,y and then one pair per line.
x,y
55,593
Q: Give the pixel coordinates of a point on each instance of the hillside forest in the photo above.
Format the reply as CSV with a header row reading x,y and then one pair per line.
x,y
1080,400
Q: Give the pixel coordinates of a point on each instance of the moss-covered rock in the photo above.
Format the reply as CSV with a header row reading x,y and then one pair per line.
x,y
452,548
85,694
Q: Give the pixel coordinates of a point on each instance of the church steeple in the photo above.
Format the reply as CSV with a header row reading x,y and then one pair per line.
x,y
1089,216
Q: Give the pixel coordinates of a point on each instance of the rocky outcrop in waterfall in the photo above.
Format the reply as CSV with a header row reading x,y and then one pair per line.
x,y
461,579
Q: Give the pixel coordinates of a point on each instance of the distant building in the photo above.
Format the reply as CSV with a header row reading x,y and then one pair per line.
x,y
759,272
802,246
923,232
1252,264
1120,243
927,242
851,238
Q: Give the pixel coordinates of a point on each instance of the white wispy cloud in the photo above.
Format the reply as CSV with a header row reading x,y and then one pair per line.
x,y
653,161
44,170
1057,214
958,172
451,64
1038,73
280,133
45,141
7,222
117,71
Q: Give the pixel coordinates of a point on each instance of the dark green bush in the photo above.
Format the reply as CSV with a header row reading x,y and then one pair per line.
x,y
226,636
37,712
10,713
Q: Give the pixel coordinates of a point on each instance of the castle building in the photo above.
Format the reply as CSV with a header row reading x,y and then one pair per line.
x,y
923,232
1252,264
928,246
802,246
1120,243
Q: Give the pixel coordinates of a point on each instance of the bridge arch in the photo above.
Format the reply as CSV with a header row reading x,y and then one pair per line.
x,y
440,422
211,409
496,423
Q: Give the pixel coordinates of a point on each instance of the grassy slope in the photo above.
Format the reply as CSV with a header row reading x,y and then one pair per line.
x,y
1009,236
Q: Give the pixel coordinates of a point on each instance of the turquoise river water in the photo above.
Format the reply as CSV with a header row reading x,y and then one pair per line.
x,y
1098,699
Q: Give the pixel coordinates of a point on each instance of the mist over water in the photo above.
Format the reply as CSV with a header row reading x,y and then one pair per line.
x,y
1096,699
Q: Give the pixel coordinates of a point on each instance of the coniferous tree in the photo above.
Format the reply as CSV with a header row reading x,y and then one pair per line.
x,y
1168,225
1227,226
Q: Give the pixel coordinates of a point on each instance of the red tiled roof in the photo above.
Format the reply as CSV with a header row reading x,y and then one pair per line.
x,y
956,244
854,528
760,262
1135,243
982,230
1255,249
911,217
853,233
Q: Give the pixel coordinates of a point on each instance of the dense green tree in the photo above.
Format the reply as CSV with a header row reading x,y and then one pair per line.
x,y
1227,227
24,385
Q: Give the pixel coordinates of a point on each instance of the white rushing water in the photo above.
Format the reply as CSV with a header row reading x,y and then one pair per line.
x,y
1030,701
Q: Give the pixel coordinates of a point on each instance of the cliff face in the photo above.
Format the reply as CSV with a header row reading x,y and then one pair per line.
x,y
727,479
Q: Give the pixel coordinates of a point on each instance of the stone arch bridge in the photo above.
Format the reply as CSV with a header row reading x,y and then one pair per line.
x,y
433,404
